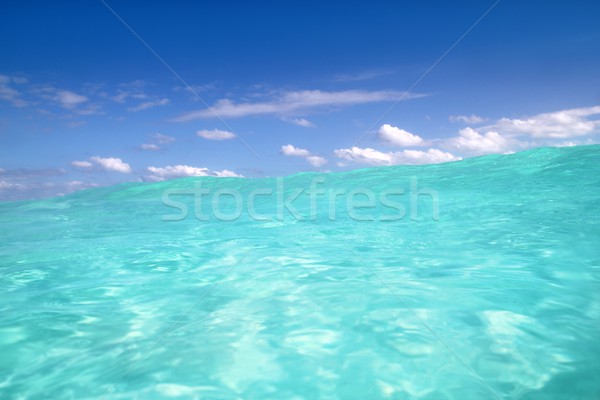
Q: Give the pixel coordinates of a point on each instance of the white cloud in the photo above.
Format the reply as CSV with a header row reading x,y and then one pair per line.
x,y
25,173
375,157
468,119
364,156
297,101
300,122
150,146
22,183
10,94
68,99
112,164
130,90
292,151
89,110
180,171
11,190
163,139
316,161
4,184
75,124
431,156
507,135
159,141
571,143
149,104
215,134
399,137
121,96
362,76
557,125
81,164
193,89
108,164
78,185
471,141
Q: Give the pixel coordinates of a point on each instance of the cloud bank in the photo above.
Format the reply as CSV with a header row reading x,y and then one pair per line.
x,y
562,124
180,171
411,157
506,135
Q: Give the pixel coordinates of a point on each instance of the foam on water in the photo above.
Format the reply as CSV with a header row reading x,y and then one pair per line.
x,y
498,298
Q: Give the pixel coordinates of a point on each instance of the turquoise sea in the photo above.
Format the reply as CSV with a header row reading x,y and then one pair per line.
x,y
477,279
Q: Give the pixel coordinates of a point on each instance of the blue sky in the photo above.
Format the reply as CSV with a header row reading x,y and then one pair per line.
x,y
273,88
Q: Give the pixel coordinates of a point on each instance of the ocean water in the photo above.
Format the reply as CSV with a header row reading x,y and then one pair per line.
x,y
476,279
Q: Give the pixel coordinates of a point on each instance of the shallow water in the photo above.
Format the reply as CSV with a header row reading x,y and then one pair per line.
x,y
110,293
